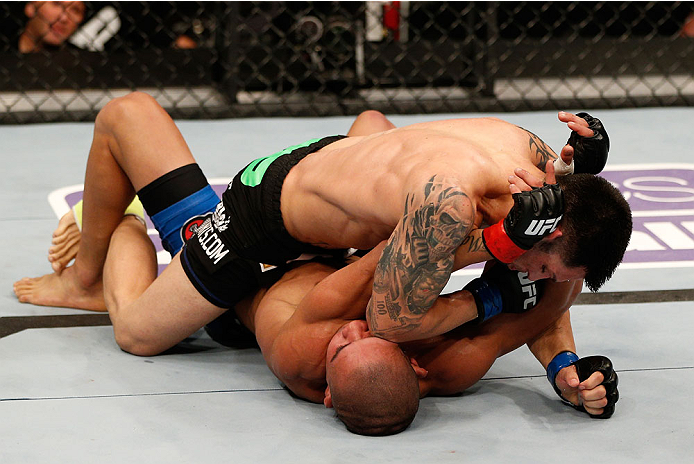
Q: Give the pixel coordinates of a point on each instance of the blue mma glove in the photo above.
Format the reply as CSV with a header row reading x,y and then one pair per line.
x,y
590,153
501,290
585,368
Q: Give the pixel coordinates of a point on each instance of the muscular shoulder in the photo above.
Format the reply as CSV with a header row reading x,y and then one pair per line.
x,y
303,275
296,355
494,138
310,390
280,302
453,168
457,124
538,151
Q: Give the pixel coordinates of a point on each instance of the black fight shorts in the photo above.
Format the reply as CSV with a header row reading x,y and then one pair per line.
x,y
222,260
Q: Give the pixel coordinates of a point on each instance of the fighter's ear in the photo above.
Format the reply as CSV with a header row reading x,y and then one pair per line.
x,y
328,399
556,234
419,371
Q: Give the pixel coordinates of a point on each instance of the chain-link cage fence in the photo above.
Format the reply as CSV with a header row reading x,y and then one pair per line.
x,y
62,61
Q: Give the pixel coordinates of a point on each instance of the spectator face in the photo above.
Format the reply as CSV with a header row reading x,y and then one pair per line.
x,y
53,22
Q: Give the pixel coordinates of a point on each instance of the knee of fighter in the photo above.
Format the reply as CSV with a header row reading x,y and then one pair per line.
x,y
130,342
373,116
127,106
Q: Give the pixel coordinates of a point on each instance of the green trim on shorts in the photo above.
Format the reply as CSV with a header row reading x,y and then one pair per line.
x,y
254,172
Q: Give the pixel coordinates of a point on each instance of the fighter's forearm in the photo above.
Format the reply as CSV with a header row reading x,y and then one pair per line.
x,y
402,296
558,336
447,313
471,251
418,259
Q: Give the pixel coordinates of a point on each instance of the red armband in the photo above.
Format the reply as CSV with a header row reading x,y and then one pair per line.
x,y
500,245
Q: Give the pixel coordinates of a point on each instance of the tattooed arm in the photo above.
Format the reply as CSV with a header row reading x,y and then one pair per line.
x,y
417,263
471,251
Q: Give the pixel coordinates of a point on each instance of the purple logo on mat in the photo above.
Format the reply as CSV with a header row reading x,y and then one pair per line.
x,y
661,197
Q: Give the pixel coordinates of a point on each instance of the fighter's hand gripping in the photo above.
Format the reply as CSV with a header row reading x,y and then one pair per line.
x,y
586,384
501,290
535,214
587,148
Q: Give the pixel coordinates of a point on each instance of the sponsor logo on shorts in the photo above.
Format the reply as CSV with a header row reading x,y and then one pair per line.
x,y
221,222
266,267
191,226
210,242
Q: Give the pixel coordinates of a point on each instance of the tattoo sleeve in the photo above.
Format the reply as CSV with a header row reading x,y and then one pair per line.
x,y
418,258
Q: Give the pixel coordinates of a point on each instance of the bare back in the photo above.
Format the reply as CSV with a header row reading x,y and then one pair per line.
x,y
352,193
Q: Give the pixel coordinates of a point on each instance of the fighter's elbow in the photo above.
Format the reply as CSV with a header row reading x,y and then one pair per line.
x,y
392,334
386,330
380,333
382,326
375,328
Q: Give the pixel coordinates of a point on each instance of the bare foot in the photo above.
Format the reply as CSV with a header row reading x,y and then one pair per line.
x,y
60,290
66,242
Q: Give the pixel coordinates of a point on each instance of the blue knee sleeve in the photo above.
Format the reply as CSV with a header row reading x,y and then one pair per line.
x,y
178,221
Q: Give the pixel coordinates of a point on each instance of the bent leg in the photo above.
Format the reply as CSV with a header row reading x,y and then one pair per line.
x,y
149,315
135,142
169,310
370,122
131,264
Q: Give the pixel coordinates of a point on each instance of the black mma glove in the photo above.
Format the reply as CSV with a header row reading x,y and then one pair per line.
x,y
534,215
585,368
501,290
590,153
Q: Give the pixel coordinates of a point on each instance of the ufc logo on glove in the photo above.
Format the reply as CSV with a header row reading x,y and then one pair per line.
x,y
542,226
